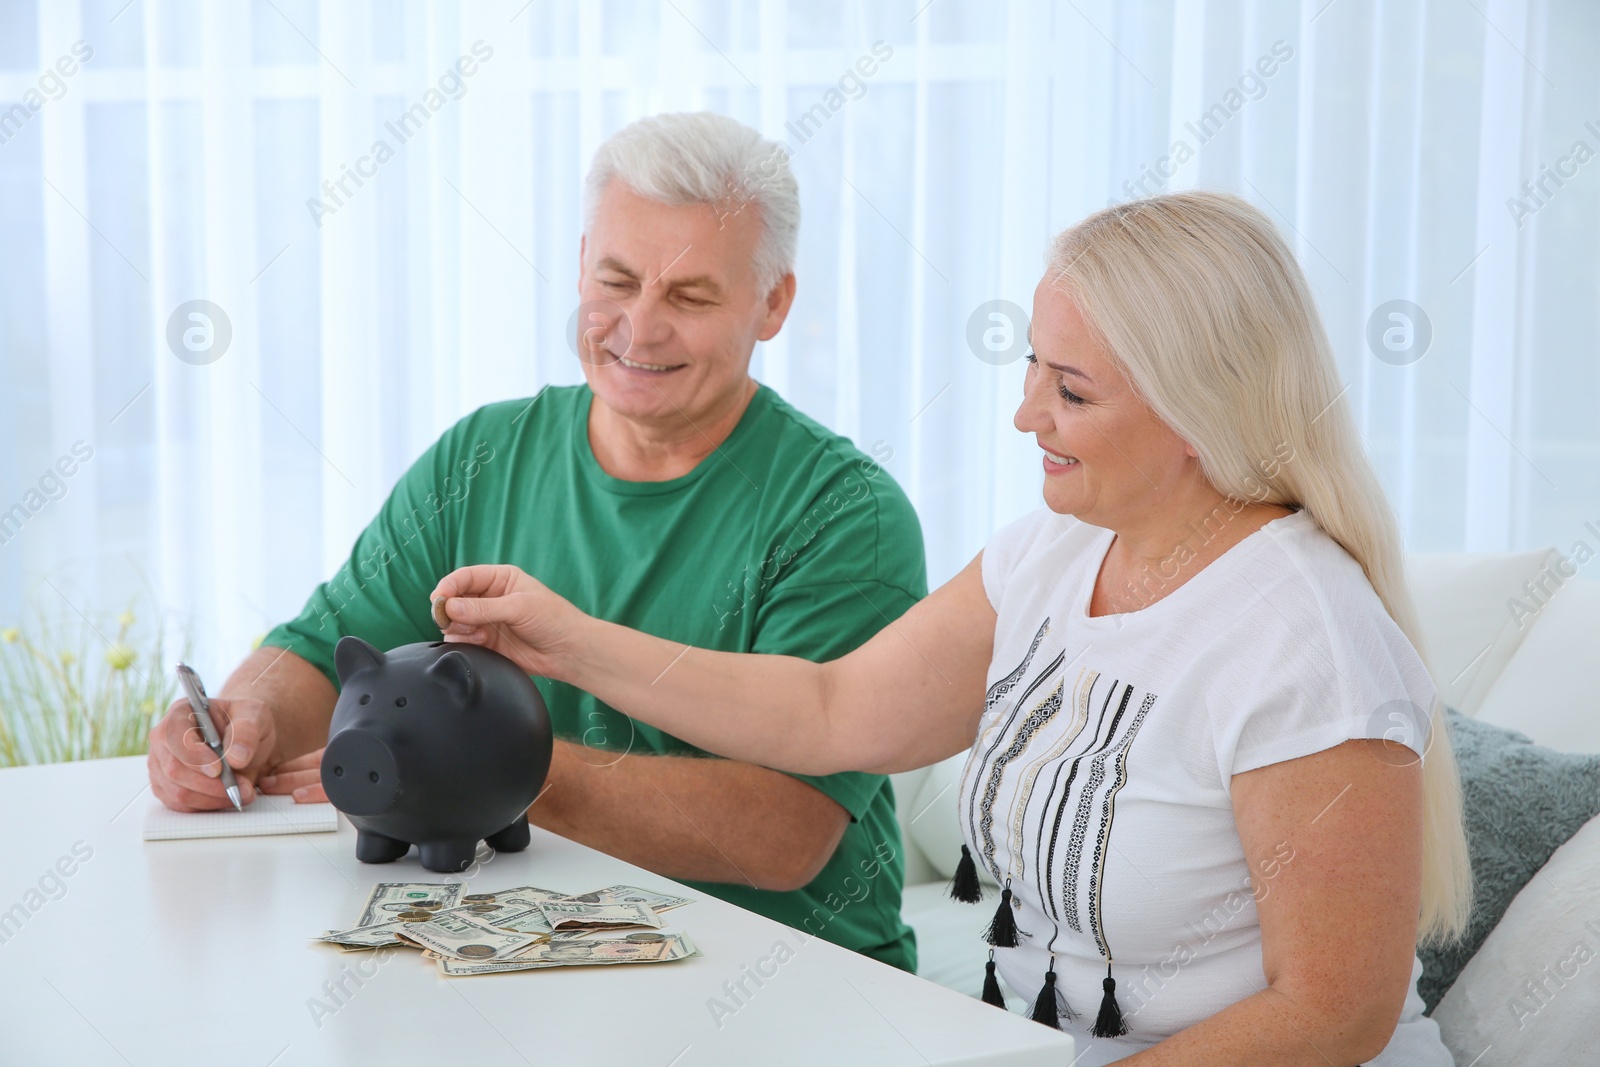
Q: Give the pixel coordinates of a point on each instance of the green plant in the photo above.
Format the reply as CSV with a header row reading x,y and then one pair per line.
x,y
72,691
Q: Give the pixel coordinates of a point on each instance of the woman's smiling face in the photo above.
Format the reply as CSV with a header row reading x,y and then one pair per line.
x,y
1108,459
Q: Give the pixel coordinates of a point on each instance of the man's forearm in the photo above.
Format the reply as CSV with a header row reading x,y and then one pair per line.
x,y
704,819
300,697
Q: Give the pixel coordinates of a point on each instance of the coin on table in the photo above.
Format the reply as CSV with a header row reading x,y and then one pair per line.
x,y
477,898
475,952
483,909
439,617
430,905
416,915
646,937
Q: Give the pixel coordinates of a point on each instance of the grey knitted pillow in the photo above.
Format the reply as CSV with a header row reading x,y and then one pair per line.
x,y
1522,802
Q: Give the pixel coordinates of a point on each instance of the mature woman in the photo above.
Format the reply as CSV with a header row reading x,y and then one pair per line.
x,y
1175,681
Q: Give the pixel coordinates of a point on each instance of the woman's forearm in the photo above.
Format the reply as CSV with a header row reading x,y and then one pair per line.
x,y
1270,1029
771,710
910,696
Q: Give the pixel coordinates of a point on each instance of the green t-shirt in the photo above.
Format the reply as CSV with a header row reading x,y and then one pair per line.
x,y
786,539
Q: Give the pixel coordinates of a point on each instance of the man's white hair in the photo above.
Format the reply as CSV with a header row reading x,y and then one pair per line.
x,y
704,158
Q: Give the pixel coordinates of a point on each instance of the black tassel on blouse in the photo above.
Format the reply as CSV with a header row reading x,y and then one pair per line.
x,y
1109,1022
965,886
1045,1009
1002,931
991,984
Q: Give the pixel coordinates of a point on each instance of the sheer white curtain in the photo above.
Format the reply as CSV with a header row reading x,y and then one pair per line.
x,y
205,151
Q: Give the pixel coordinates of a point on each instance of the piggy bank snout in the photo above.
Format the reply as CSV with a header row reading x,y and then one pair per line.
x,y
359,773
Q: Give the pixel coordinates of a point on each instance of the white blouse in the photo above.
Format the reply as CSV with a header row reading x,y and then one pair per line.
x,y
1098,788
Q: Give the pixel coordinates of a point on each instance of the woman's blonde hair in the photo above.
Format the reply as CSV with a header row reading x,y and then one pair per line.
x,y
1209,316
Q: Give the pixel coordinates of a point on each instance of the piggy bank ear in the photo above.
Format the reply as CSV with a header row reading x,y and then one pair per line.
x,y
454,671
353,654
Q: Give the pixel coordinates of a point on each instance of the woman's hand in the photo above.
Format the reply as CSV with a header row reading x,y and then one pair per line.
x,y
499,607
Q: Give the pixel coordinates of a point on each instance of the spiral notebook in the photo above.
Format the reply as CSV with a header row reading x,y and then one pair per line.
x,y
275,814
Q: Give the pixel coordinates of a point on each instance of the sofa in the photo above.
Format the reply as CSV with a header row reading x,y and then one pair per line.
x,y
1514,640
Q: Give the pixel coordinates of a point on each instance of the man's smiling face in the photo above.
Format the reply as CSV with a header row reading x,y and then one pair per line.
x,y
682,275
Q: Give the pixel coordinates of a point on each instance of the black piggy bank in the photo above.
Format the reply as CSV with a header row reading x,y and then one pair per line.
x,y
434,744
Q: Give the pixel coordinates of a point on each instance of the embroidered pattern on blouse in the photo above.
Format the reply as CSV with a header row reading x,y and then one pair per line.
x,y
1119,778
1028,723
997,691
1039,717
1029,778
1045,877
1080,822
981,751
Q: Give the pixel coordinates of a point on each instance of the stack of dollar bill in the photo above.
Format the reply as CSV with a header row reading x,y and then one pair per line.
x,y
516,929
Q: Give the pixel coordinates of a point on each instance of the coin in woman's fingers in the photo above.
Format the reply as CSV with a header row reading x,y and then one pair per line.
x,y
439,617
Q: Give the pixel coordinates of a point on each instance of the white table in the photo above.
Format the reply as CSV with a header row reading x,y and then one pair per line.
x,y
197,952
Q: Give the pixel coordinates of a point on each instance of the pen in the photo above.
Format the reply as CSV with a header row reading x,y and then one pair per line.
x,y
201,706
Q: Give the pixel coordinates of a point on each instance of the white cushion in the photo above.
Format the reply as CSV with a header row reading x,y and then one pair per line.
x,y
1551,688
907,785
930,820
1530,997
1469,630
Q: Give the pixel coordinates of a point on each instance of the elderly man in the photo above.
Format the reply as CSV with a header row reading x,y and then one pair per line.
x,y
671,493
